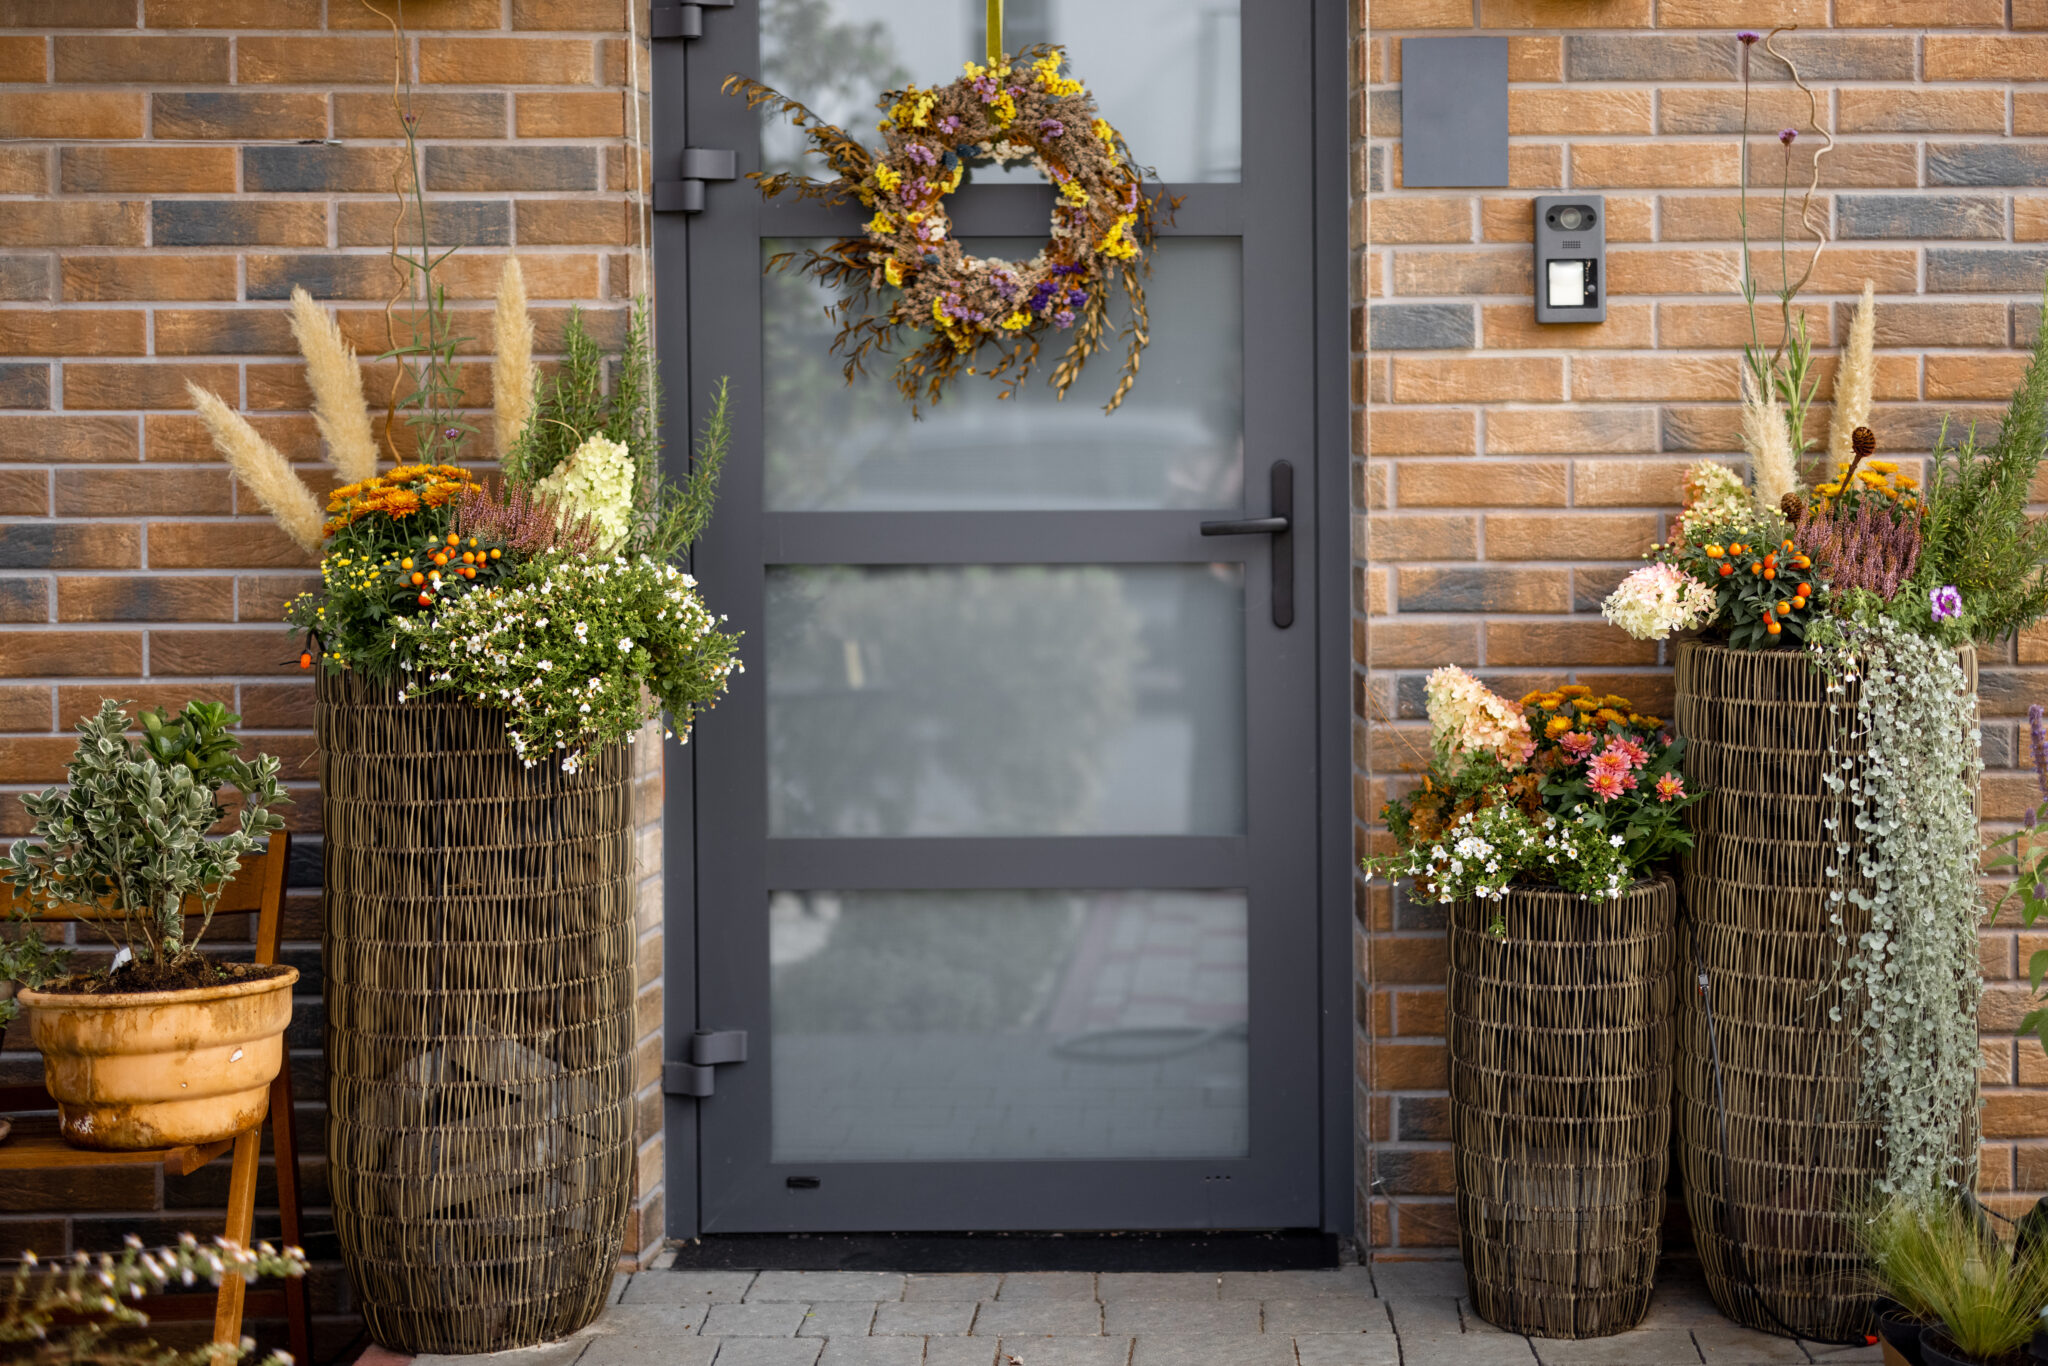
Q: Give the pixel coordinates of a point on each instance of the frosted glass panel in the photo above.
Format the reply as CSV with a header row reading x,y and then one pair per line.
x,y
1165,72
1026,700
1008,1025
1177,441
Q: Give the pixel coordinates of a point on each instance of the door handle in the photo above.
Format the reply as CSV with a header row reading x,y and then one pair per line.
x,y
1280,526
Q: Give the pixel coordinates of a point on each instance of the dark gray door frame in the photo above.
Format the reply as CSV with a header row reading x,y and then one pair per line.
x,y
1324,45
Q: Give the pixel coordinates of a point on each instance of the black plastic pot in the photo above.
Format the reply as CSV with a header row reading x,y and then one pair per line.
x,y
1900,1330
1937,1350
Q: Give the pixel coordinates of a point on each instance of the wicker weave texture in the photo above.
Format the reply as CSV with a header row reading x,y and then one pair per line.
x,y
1777,1163
479,954
1560,1041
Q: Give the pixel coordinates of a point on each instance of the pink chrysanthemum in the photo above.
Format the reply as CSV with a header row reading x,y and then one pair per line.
x,y
1576,743
1630,749
1606,785
1670,787
1610,764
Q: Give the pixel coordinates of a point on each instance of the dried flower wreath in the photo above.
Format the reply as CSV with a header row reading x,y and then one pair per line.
x,y
1013,109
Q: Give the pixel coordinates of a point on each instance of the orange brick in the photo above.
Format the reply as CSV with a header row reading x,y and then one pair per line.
x,y
150,597
1572,430
1669,270
1417,537
1705,218
107,58
23,58
71,654
1410,1067
1477,379
1476,271
1729,324
1918,110
1563,644
120,385
72,223
1578,112
569,14
1692,109
231,13
442,114
424,16
1397,431
507,61
71,332
1535,59
570,114
145,170
1627,483
1549,14
70,114
1463,483
1400,219
1851,165
245,543
1568,536
1605,378
1394,15
1991,376
253,651
313,60
110,279
62,439
1917,14
1731,13
575,222
1626,165
1973,58
1510,326
1842,270
24,170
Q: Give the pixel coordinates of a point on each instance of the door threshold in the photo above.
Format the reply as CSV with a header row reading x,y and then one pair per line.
x,y
1281,1250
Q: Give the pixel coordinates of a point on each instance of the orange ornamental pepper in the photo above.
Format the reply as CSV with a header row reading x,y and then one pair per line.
x,y
1756,566
1803,591
1773,627
305,661
1715,552
417,578
426,599
1784,609
1770,561
1770,573
1726,569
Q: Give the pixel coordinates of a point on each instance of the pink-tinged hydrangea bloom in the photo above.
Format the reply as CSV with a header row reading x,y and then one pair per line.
x,y
1576,744
1607,785
1467,717
1670,787
1658,599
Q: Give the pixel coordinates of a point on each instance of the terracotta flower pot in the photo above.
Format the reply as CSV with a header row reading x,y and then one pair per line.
x,y
161,1069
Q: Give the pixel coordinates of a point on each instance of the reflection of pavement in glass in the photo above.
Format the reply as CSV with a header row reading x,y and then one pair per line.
x,y
1169,969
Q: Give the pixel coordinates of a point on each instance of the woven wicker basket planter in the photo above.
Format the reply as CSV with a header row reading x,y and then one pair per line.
x,y
1776,1164
1560,1040
479,960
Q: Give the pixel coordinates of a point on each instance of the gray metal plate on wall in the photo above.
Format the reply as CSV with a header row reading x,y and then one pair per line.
x,y
1454,112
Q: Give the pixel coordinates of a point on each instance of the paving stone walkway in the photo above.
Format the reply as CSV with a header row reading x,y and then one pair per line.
x,y
1391,1314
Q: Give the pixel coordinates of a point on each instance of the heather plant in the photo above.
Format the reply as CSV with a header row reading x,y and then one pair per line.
x,y
81,1311
131,829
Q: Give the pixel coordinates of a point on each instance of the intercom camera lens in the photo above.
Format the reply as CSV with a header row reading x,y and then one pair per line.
x,y
1572,219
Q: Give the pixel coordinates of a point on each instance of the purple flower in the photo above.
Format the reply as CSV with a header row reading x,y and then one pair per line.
x,y
1946,602
921,154
452,432
950,124
1747,37
2038,733
1052,128
1787,135
985,86
1063,318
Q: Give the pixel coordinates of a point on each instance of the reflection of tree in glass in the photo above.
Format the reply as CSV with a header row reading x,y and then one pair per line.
x,y
809,405
941,701
922,962
836,67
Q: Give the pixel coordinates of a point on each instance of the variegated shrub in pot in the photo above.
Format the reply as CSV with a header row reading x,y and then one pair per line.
x,y
1543,827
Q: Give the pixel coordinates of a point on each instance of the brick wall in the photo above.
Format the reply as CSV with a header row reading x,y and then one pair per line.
x,y
1509,474
168,170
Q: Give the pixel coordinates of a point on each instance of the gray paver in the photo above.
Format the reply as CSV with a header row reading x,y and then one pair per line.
x,y
1463,1349
1428,1317
649,1349
648,1321
842,1320
768,1352
951,1286
926,1318
1330,1314
1208,1349
619,1284
547,1354
1408,1280
873,1352
959,1352
1048,1285
1296,1285
1644,1347
1034,1318
1181,1316
688,1287
1476,1322
1730,1344
1356,1349
773,1320
814,1287
1065,1351
1155,1285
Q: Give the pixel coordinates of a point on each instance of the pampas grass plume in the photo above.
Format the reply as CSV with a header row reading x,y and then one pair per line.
x,y
1853,382
1774,471
337,384
512,378
262,469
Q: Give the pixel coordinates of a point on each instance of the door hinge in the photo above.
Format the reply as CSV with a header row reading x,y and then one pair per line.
x,y
678,19
686,193
707,1048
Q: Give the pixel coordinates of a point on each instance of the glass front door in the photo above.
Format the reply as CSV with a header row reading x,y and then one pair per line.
x,y
1005,843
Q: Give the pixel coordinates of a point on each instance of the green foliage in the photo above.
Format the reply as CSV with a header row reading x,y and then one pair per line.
x,y
1977,535
132,826
568,408
1945,1266
677,514
1754,571
81,1311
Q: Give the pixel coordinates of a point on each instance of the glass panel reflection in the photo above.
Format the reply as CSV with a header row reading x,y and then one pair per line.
x,y
1165,72
1008,1025
1177,441
1015,700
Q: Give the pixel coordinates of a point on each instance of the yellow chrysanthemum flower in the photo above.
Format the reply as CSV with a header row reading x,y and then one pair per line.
x,y
881,225
893,272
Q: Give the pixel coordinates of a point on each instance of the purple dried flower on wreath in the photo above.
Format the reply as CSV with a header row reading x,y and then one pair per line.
x,y
1946,602
1747,37
921,154
2038,733
985,86
1788,135
950,124
1052,128
1064,318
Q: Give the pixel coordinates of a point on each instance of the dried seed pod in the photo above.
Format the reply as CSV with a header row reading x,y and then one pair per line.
x,y
1863,441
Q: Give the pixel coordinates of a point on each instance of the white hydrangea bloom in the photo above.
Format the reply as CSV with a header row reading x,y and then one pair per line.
x,y
597,481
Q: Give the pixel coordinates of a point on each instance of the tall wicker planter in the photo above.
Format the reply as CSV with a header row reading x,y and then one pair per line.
x,y
479,994
1777,1153
1561,1038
